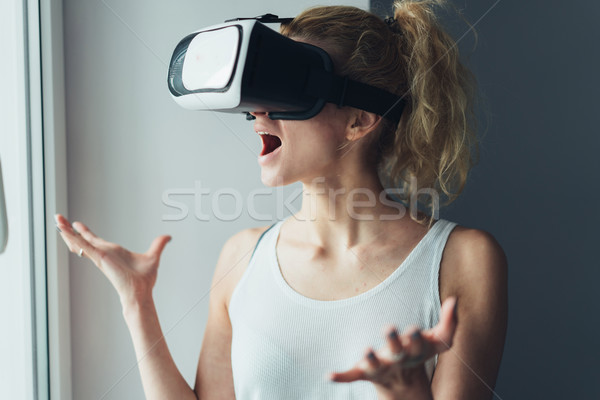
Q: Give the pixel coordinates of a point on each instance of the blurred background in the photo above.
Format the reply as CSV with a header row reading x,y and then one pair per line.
x,y
106,145
536,184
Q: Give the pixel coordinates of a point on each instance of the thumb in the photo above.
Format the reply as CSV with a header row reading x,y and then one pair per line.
x,y
446,328
158,245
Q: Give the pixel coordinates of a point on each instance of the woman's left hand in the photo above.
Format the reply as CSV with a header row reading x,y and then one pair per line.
x,y
398,369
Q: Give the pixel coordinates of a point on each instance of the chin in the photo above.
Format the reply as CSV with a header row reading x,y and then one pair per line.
x,y
273,181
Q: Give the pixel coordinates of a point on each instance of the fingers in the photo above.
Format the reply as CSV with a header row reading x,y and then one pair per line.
x,y
416,345
372,361
158,245
363,370
355,374
441,336
87,234
80,229
66,231
409,350
449,318
422,345
75,242
393,340
416,349
61,221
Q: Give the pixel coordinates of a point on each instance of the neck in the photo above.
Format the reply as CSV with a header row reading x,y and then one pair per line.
x,y
346,210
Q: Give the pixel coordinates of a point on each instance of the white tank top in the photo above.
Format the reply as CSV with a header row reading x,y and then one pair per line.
x,y
284,343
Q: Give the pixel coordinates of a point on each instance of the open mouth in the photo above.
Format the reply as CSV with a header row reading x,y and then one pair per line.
x,y
270,142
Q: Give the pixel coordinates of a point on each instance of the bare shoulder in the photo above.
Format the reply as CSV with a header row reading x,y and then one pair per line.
x,y
473,262
214,376
233,260
474,270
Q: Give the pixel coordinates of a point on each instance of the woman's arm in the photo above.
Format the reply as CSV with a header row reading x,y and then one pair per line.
x,y
474,270
160,377
468,339
214,377
133,276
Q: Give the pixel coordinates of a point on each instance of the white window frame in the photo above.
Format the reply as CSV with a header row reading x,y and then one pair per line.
x,y
55,188
35,257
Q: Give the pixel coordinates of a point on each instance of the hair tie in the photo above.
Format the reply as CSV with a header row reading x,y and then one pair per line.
x,y
392,23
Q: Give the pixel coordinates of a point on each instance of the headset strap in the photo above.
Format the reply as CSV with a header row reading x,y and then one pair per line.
x,y
265,19
347,92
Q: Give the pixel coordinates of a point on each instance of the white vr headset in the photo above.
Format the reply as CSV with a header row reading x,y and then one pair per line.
x,y
243,66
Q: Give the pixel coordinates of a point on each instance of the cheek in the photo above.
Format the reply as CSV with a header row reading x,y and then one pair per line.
x,y
318,142
323,132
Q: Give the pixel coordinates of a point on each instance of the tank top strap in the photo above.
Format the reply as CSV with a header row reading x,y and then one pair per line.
x,y
251,263
261,236
439,238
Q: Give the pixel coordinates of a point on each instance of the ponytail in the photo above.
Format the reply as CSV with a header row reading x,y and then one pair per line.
x,y
432,144
429,150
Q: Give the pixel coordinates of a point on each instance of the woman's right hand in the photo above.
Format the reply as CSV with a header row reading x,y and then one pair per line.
x,y
133,275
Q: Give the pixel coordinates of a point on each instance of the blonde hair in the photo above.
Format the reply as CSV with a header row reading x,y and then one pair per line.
x,y
435,144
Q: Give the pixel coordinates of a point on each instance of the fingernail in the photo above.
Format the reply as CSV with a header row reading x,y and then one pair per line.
x,y
393,334
416,335
371,355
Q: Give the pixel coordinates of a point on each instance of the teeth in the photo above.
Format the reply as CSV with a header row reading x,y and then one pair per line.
x,y
264,133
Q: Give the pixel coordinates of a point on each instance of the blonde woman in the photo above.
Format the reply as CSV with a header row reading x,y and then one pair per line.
x,y
356,296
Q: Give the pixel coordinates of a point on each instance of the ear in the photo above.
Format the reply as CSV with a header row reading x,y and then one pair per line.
x,y
361,123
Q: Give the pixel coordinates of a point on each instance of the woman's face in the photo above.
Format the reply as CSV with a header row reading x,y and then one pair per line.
x,y
309,148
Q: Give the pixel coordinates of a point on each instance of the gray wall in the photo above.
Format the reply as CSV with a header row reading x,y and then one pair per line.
x,y
536,186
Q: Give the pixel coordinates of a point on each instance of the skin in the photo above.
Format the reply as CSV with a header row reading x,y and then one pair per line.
x,y
327,259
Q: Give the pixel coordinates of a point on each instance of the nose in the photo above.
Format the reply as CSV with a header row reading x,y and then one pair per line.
x,y
253,114
259,113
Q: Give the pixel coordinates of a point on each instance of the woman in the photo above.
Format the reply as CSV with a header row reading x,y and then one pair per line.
x,y
317,309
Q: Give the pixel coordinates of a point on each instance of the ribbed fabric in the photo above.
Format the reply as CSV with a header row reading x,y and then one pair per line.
x,y
284,343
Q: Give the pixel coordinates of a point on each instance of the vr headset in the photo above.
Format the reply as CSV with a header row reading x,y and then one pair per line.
x,y
242,66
